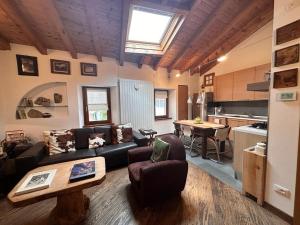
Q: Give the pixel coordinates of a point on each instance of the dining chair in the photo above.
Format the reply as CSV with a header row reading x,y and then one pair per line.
x,y
178,131
196,138
221,135
186,136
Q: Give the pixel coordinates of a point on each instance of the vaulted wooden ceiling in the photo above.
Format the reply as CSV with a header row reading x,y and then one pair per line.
x,y
98,27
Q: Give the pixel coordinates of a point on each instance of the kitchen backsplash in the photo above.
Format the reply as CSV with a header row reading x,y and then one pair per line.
x,y
257,108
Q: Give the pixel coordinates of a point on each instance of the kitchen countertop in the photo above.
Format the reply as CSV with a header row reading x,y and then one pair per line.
x,y
251,130
241,117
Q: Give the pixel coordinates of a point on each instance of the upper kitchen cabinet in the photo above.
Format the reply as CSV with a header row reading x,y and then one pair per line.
x,y
260,76
223,87
240,80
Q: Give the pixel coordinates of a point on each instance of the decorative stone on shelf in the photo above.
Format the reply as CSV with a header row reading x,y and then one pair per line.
x,y
42,101
58,98
33,113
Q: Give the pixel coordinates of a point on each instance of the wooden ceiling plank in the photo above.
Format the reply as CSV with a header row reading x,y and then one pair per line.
x,y
164,6
17,16
4,43
190,45
55,17
262,18
214,44
124,25
91,20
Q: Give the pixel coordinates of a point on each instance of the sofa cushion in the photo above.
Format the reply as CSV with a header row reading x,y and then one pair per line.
x,y
106,130
69,156
135,169
82,137
114,149
160,150
96,140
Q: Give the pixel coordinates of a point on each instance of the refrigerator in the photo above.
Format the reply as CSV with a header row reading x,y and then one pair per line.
x,y
200,103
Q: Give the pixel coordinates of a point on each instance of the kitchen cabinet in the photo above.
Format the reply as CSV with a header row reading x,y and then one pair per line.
x,y
223,87
260,77
235,123
220,120
240,80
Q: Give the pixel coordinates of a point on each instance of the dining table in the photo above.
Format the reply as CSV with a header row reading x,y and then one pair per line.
x,y
205,130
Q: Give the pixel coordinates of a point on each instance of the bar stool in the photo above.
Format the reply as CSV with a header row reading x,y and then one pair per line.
x,y
221,134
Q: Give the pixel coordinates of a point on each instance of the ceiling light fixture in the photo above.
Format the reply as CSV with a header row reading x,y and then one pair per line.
x,y
222,58
178,75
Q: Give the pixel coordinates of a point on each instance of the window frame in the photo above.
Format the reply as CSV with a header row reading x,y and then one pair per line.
x,y
167,106
85,106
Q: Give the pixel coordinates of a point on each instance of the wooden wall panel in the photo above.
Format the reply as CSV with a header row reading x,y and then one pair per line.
x,y
240,80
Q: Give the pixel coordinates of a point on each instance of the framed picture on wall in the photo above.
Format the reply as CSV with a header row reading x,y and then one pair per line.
x,y
287,55
288,32
286,78
60,66
27,65
88,69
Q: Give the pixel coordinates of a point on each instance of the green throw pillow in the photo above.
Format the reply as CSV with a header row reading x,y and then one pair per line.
x,y
160,150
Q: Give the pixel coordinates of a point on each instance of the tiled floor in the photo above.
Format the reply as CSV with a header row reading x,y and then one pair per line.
x,y
223,172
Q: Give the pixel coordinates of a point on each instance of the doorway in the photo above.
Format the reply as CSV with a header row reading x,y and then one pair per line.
x,y
182,102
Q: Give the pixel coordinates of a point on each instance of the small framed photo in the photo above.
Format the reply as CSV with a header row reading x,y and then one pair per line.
x,y
286,78
88,69
287,55
60,66
209,80
27,65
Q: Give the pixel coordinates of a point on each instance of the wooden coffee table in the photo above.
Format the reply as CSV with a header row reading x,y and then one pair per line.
x,y
72,204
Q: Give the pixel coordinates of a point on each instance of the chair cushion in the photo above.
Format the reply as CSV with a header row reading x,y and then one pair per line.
x,y
135,169
82,137
160,150
106,130
68,156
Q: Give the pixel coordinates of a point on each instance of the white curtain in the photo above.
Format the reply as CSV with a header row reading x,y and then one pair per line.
x,y
137,103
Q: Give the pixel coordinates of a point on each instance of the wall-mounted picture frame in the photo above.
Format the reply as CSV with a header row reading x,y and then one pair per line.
x,y
27,65
88,69
60,66
287,55
286,78
209,80
288,32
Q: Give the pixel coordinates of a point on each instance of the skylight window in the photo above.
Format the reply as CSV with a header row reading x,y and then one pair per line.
x,y
150,31
148,26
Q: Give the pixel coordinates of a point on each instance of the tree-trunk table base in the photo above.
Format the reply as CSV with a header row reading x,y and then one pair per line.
x,y
71,209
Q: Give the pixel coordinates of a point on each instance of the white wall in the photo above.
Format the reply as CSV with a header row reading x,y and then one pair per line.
x,y
284,121
13,87
254,51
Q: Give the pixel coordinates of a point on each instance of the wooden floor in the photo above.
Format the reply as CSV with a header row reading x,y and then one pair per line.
x,y
205,200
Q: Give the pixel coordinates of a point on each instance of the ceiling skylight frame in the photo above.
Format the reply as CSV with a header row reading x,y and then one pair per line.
x,y
143,47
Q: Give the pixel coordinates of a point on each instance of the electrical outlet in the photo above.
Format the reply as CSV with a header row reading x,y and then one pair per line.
x,y
281,190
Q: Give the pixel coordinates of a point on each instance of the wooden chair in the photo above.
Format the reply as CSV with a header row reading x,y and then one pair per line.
x,y
196,138
221,135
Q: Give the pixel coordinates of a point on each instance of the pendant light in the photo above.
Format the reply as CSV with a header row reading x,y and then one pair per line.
x,y
190,100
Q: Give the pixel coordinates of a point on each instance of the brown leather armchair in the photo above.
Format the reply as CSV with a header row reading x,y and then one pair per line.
x,y
153,182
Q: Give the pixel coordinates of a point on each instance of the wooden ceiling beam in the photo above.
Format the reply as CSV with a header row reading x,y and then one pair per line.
x,y
17,16
193,42
145,59
55,17
4,43
124,25
182,9
141,61
263,17
91,20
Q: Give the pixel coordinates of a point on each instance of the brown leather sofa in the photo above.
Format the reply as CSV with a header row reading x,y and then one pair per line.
x,y
153,182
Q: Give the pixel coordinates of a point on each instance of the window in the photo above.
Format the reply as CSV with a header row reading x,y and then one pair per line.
x,y
96,105
161,104
150,31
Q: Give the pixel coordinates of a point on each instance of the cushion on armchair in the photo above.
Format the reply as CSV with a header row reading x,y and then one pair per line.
x,y
160,150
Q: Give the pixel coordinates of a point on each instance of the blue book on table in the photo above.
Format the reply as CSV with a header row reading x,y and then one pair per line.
x,y
82,171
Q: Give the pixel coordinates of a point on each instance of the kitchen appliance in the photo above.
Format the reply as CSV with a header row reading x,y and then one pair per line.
x,y
202,100
260,125
260,86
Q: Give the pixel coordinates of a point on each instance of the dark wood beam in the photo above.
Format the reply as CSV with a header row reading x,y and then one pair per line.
x,y
90,12
230,30
263,17
55,18
141,61
125,15
145,59
202,31
4,43
12,10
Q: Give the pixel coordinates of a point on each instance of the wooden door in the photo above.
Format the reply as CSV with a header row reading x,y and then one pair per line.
x,y
223,87
240,80
260,77
183,93
195,107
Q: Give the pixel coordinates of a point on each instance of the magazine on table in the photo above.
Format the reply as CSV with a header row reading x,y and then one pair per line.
x,y
36,181
82,171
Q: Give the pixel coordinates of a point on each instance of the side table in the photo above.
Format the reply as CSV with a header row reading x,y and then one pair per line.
x,y
148,133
